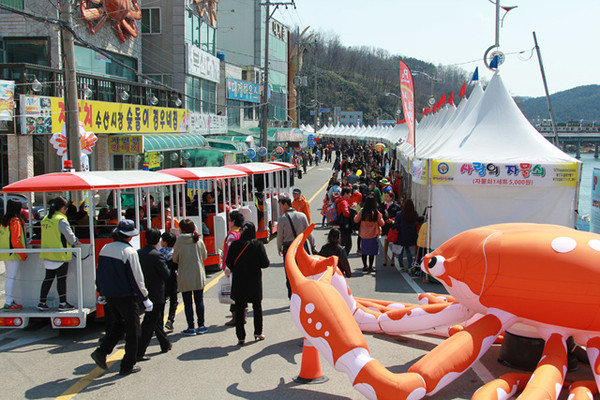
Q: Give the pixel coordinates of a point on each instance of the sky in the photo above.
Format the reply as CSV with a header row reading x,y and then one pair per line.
x,y
458,32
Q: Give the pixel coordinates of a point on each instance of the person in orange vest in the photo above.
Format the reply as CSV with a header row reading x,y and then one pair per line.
x,y
300,203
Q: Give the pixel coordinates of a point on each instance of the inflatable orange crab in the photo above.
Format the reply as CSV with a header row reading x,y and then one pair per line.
x,y
500,277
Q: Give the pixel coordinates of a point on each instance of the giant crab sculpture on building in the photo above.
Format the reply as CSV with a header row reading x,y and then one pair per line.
x,y
210,6
493,276
123,13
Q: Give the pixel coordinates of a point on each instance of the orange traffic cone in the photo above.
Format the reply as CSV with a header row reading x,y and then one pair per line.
x,y
310,370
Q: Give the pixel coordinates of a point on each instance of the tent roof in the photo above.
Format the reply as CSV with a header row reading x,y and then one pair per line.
x,y
497,131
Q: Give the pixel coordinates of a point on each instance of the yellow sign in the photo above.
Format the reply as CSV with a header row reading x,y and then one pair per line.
x,y
153,160
104,117
126,144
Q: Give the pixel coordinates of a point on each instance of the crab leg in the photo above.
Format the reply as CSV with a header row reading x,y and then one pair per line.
x,y
549,375
318,311
593,350
502,388
460,351
582,390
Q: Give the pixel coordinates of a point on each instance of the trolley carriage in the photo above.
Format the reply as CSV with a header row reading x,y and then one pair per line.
x,y
81,288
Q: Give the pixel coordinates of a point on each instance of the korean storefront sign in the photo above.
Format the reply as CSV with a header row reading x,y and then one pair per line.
x,y
243,90
504,174
202,64
125,144
42,114
204,124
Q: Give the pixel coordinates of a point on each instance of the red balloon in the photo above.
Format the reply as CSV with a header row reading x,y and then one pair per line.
x,y
272,158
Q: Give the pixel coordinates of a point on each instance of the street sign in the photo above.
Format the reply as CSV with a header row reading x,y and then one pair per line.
x,y
262,151
324,110
311,137
251,153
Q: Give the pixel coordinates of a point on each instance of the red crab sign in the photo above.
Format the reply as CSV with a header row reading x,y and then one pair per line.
x,y
123,13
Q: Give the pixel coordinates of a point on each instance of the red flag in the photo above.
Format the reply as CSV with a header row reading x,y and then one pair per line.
x,y
408,101
462,91
451,98
441,101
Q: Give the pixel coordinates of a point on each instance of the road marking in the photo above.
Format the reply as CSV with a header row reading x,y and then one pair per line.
x,y
318,191
117,356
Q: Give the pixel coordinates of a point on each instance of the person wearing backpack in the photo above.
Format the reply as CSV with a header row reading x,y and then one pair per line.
x,y
333,248
371,222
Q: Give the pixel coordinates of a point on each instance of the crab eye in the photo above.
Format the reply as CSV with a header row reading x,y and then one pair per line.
x,y
436,266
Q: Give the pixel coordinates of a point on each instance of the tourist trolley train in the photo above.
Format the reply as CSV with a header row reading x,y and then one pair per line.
x,y
81,287
158,199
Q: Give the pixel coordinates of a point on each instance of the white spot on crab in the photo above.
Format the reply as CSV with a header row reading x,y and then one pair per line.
x,y
594,244
326,334
309,308
318,326
309,320
563,244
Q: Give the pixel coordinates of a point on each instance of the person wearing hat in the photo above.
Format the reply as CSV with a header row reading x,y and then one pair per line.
x,y
120,282
300,203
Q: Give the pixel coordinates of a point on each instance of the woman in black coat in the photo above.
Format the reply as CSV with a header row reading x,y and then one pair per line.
x,y
245,259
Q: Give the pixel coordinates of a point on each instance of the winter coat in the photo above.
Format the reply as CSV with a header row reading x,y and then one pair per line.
x,y
189,257
246,284
407,231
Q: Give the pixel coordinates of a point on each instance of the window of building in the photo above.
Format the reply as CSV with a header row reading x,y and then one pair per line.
x,y
88,60
208,39
150,20
250,111
192,29
166,79
200,95
17,4
233,112
27,50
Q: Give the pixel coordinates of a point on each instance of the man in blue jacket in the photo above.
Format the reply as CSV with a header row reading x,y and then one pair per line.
x,y
120,281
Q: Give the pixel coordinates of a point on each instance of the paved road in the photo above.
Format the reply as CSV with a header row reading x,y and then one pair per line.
x,y
40,363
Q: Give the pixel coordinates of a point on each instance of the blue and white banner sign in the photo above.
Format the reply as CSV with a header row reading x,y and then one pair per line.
x,y
243,90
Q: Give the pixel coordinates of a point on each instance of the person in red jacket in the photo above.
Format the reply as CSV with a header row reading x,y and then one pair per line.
x,y
343,219
300,203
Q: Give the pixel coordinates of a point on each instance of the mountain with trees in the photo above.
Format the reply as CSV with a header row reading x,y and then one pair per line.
x,y
579,103
358,78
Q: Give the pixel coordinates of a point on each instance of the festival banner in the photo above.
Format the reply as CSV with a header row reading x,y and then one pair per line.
x,y
7,100
408,101
42,114
504,174
105,117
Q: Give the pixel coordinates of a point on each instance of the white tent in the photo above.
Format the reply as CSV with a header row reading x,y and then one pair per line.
x,y
489,165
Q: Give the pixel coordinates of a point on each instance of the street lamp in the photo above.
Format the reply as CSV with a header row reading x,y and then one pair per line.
x,y
398,110
431,100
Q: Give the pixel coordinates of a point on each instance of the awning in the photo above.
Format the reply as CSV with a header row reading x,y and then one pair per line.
x,y
173,141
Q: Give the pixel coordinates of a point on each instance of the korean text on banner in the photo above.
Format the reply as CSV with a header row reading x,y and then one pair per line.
x,y
408,101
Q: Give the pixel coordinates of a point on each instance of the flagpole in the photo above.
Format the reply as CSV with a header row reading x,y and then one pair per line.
x,y
537,49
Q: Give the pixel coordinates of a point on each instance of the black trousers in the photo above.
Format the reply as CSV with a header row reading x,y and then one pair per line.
x,y
346,239
153,324
171,292
240,306
122,316
61,283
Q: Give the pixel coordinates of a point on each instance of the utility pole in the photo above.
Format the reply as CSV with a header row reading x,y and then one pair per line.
x,y
71,102
317,107
265,102
537,49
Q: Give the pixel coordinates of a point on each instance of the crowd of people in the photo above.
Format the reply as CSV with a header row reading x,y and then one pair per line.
x,y
364,195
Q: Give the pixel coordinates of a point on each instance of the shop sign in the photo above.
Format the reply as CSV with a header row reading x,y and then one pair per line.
x,y
290,135
202,64
204,124
41,114
504,174
278,30
243,90
125,144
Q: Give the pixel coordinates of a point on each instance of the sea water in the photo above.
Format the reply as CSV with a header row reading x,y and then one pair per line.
x,y
585,189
